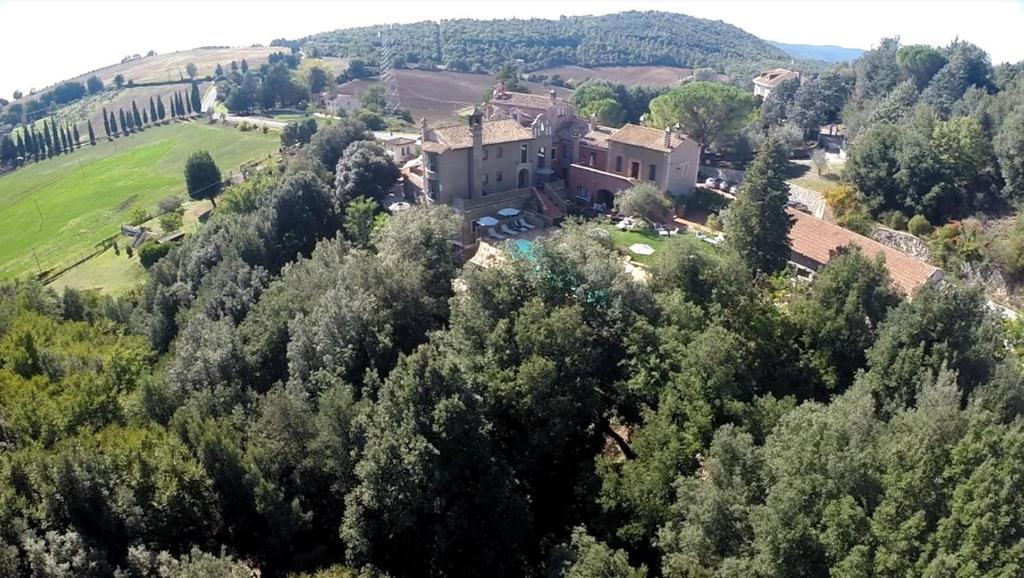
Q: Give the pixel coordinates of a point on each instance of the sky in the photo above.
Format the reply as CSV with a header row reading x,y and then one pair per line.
x,y
51,40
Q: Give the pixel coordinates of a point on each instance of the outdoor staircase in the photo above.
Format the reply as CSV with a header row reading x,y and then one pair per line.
x,y
552,206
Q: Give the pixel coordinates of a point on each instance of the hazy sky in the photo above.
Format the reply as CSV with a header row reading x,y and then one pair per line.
x,y
50,40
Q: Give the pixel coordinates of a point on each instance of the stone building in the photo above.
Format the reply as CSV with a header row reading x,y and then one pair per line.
x,y
765,82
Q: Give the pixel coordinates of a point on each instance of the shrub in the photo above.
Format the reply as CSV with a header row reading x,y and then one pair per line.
x,y
858,222
150,253
170,221
713,223
919,226
128,251
169,205
897,220
137,216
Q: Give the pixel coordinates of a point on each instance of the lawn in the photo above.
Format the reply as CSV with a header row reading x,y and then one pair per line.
x,y
56,210
108,272
623,239
808,177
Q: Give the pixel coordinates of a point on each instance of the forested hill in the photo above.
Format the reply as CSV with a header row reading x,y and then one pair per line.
x,y
628,38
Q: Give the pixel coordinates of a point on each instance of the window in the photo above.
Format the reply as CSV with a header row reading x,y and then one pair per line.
x,y
591,159
652,173
499,155
524,153
618,164
540,158
433,188
581,192
432,162
634,170
485,153
485,178
498,176
553,153
565,151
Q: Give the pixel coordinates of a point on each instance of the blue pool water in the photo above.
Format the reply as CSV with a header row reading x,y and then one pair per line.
x,y
524,245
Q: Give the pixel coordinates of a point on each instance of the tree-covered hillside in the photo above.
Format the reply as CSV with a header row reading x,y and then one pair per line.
x,y
628,38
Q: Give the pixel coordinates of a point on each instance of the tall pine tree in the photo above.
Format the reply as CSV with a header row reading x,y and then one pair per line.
x,y
113,124
63,136
757,224
78,137
56,137
106,122
152,110
136,118
92,135
160,112
145,117
124,121
21,147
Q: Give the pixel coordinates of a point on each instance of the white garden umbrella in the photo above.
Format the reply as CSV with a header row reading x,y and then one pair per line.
x,y
399,206
641,249
508,212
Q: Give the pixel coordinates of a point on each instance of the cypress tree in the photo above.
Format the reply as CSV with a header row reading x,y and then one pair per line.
x,y
124,121
21,146
152,109
197,101
56,138
131,121
188,105
113,124
78,137
135,116
30,144
245,66
160,112
106,122
145,117
47,140
63,136
92,135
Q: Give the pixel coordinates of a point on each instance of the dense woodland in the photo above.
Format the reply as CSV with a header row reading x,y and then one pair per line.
x,y
628,38
300,388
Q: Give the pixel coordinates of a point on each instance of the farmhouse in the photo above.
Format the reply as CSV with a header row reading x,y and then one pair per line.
x,y
765,82
813,241
525,150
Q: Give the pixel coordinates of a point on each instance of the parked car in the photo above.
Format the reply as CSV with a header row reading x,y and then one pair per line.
x,y
709,182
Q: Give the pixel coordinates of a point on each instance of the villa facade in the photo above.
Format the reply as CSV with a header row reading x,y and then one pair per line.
x,y
530,151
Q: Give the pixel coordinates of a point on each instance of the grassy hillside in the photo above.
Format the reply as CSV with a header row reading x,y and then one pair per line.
x,y
625,39
57,209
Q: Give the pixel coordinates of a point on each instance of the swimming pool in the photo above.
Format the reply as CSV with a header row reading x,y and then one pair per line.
x,y
524,245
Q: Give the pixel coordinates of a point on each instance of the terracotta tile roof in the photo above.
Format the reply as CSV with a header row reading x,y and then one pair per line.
x,y
400,140
772,78
523,100
646,137
458,136
816,239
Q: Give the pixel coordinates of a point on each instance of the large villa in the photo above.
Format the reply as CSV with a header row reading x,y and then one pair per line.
x,y
532,153
514,165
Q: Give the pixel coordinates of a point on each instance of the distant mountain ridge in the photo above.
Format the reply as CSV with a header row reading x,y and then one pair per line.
x,y
623,39
827,53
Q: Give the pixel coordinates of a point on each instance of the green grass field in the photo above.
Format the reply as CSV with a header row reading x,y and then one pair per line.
x,y
623,239
54,211
108,272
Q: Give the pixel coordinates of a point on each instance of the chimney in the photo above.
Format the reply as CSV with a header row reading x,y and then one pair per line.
x,y
553,96
668,137
423,130
476,129
593,122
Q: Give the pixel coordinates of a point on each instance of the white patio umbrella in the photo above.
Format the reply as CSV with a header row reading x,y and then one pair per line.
x,y
487,221
508,212
399,206
641,249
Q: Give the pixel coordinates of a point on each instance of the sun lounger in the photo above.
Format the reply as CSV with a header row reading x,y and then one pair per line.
x,y
523,223
495,236
504,229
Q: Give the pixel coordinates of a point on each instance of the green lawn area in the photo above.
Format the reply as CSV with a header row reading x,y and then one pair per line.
x,y
808,177
58,209
112,274
623,239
